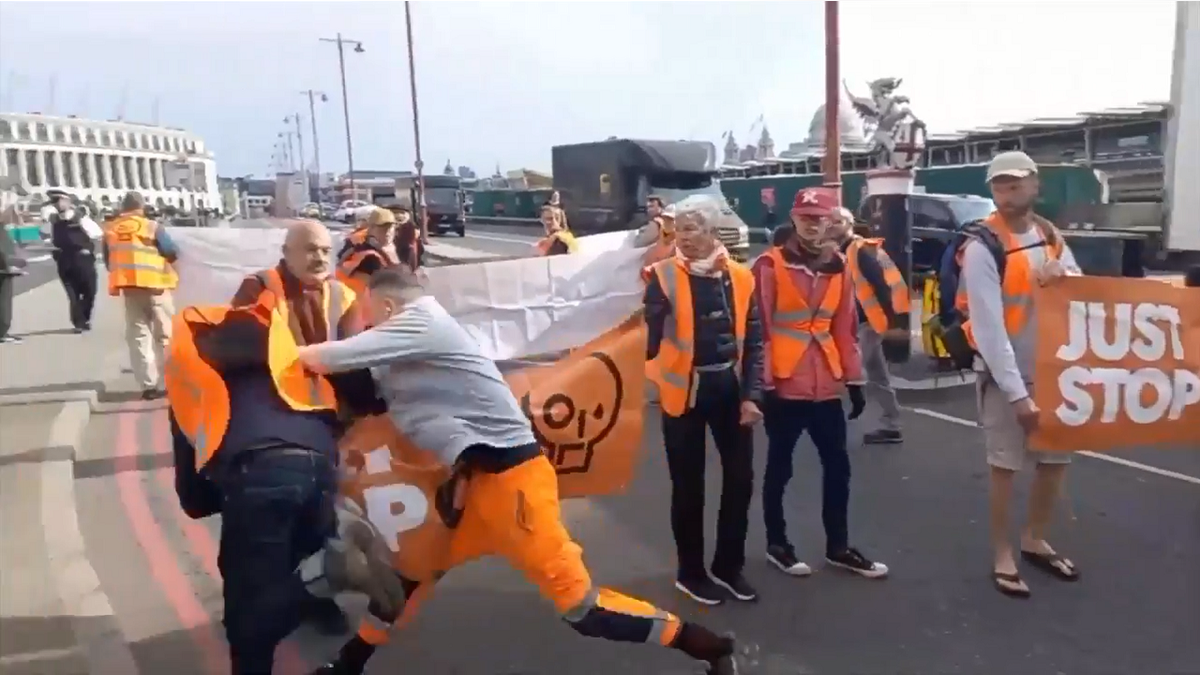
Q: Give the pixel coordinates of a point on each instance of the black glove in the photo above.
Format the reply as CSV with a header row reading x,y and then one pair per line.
x,y
858,402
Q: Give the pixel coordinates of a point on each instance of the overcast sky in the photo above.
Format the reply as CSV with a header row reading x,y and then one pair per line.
x,y
500,83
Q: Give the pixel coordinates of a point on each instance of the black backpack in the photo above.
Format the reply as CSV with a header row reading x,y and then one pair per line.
x,y
947,325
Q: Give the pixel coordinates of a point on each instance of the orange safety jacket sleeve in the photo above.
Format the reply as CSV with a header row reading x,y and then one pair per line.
x,y
872,273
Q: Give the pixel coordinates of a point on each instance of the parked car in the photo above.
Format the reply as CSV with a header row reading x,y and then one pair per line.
x,y
351,210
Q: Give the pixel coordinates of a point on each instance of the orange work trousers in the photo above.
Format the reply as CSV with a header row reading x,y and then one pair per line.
x,y
516,514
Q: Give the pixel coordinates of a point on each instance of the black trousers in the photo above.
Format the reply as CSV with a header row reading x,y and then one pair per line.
x,y
277,510
825,421
77,271
6,304
718,408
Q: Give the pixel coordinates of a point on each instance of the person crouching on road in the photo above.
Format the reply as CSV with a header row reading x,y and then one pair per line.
x,y
1000,316
704,353
883,307
811,359
451,399
323,311
139,255
558,239
250,422
372,250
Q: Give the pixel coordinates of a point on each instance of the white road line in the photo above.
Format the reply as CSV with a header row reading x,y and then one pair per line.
x,y
38,258
1165,473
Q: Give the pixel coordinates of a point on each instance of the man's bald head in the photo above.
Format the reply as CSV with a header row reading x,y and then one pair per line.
x,y
306,251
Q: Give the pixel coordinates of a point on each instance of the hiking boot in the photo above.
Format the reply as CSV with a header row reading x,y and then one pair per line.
x,y
357,560
784,557
883,437
737,586
704,645
701,589
852,560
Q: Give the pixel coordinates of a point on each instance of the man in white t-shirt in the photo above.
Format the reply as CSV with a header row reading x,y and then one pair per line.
x,y
1007,412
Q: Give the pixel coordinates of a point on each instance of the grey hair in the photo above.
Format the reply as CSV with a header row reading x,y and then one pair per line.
x,y
844,215
701,210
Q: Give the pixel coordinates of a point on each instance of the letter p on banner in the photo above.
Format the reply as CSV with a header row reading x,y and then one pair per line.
x,y
1117,365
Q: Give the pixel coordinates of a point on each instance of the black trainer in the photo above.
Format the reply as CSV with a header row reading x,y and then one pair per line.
x,y
737,586
852,560
703,590
882,437
784,557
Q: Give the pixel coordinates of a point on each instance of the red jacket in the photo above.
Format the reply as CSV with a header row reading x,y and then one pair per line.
x,y
812,380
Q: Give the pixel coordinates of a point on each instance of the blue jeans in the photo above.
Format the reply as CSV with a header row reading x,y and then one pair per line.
x,y
277,510
825,421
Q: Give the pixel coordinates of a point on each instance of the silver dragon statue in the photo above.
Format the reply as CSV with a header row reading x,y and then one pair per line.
x,y
898,135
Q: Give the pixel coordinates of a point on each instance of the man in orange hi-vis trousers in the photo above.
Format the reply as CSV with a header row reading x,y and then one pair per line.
x,y
451,399
138,254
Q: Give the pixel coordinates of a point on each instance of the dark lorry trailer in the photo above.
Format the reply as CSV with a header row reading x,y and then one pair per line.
x,y
604,185
445,202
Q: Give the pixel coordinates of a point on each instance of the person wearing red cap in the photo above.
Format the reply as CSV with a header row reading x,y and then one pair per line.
x,y
811,358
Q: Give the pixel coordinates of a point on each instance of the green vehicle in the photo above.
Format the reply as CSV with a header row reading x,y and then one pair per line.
x,y
765,200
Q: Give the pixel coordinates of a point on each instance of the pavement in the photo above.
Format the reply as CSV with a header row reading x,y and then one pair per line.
x,y
102,574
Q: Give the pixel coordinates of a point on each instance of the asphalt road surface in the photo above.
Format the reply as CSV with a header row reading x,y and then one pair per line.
x,y
1134,532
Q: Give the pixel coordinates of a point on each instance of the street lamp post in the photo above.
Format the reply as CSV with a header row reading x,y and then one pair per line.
x,y
295,117
341,43
312,116
833,147
412,81
289,151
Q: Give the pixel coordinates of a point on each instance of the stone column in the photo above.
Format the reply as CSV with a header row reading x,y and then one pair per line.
x,y
106,171
39,168
90,158
56,157
160,179
23,169
122,181
76,174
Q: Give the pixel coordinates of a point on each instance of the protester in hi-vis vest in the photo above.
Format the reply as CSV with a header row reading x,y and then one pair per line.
x,y
1002,331
138,254
367,250
558,239
451,400
883,299
659,233
255,439
704,353
811,360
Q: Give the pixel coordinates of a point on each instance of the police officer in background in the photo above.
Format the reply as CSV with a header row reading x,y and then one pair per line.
x,y
704,354
883,303
75,259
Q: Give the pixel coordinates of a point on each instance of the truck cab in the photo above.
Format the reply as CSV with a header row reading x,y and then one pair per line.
x,y
604,185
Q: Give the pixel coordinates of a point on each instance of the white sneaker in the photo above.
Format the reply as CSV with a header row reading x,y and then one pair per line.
x,y
785,559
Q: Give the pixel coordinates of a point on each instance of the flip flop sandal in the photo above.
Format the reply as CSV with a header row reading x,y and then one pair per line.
x,y
1053,564
998,579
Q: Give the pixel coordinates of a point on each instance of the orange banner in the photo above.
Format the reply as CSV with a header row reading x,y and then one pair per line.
x,y
1118,364
586,410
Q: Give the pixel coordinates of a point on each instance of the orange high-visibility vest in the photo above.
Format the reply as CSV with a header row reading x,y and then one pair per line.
x,y
672,369
794,325
564,236
1018,284
899,294
197,393
133,257
353,257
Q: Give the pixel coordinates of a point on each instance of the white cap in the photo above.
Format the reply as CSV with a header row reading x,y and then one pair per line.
x,y
1012,163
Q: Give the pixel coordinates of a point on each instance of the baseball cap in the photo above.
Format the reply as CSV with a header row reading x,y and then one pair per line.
x,y
1012,163
380,217
818,202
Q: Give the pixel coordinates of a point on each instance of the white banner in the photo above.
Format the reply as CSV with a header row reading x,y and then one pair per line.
x,y
515,308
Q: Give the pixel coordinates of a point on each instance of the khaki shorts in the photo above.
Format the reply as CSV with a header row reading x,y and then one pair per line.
x,y
1006,443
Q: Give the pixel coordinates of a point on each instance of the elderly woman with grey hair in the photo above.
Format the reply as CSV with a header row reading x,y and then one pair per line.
x,y
704,354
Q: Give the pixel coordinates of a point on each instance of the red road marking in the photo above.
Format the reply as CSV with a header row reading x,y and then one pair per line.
x,y
164,565
204,547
